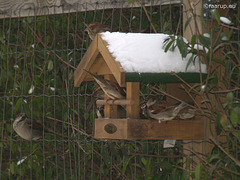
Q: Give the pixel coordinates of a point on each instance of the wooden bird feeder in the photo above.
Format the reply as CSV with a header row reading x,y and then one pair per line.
x,y
98,60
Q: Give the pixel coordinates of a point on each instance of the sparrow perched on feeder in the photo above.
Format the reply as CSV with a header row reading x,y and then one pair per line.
x,y
166,114
112,90
100,111
187,113
26,129
120,110
94,28
97,94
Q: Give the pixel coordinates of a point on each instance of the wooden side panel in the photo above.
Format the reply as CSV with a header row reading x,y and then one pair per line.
x,y
97,64
121,132
131,129
176,129
104,69
133,94
99,67
177,91
86,62
113,65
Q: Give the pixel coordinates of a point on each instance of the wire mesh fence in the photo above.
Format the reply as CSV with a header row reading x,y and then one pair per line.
x,y
38,58
37,62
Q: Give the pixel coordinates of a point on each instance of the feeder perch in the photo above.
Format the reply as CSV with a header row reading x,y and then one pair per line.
x,y
99,60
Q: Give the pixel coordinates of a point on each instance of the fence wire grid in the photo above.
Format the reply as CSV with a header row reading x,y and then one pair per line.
x,y
37,62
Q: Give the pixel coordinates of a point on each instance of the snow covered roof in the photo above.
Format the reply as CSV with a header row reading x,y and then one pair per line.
x,y
135,57
144,53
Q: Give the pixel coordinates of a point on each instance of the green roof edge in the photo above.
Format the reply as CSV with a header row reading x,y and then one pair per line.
x,y
163,77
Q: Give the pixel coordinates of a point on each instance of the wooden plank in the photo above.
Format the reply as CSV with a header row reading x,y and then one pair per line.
x,y
177,91
86,62
104,69
99,67
100,132
115,102
97,64
113,65
94,69
20,8
133,89
132,129
200,147
176,129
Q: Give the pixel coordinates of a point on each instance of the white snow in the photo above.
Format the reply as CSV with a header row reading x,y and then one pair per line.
x,y
141,52
225,20
198,47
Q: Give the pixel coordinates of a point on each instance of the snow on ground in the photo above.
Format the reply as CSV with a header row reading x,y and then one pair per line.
x,y
141,52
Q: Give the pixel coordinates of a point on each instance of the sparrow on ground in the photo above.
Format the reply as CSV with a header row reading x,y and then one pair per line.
x,y
166,114
111,89
26,129
94,28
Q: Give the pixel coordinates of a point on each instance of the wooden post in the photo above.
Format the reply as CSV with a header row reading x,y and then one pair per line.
x,y
133,94
200,147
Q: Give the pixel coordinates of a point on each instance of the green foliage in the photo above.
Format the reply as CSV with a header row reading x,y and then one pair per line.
x,y
181,46
204,41
34,80
198,172
220,95
187,22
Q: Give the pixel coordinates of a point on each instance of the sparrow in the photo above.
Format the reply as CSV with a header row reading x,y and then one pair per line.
x,y
94,28
27,129
166,114
120,110
157,106
111,89
100,111
187,113
96,95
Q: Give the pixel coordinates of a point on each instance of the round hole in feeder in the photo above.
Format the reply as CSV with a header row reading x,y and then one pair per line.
x,y
110,128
